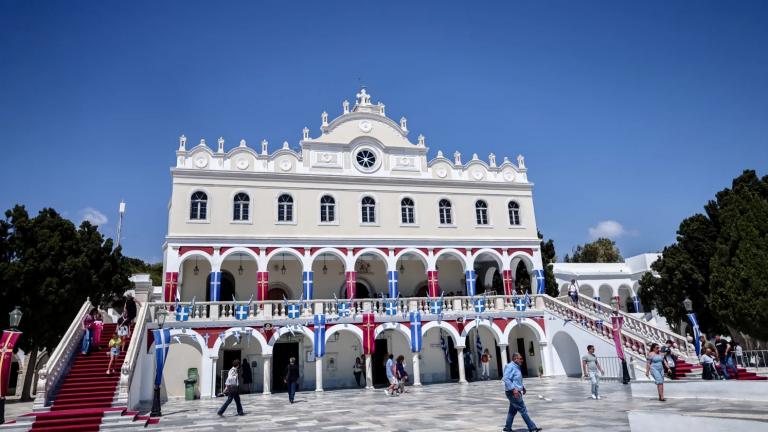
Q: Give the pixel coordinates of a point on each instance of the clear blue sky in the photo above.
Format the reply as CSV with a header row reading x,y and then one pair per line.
x,y
635,113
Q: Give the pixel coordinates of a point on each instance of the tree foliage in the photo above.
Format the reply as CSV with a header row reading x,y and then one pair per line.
x,y
602,250
155,271
549,256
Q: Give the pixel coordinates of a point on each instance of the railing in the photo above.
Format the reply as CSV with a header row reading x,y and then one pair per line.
x,y
131,357
754,361
59,361
278,309
637,327
612,369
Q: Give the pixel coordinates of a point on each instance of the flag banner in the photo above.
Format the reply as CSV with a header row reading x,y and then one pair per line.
x,y
319,335
528,301
344,309
444,347
294,311
520,304
617,322
215,290
7,343
241,312
182,313
696,333
351,282
390,307
262,285
478,344
479,305
308,284
433,284
171,286
508,282
636,303
541,285
471,278
436,307
415,332
162,343
392,285
369,336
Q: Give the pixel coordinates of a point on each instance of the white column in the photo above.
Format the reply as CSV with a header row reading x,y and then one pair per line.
x,y
462,374
416,369
318,374
214,360
266,362
206,370
368,372
503,353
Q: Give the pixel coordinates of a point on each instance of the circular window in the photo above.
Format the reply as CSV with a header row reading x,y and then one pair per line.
x,y
366,159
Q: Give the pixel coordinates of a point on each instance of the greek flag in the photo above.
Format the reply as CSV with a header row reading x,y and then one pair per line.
x,y
478,344
479,305
636,302
415,332
343,308
471,278
392,284
215,290
319,335
436,307
540,281
294,311
444,346
308,283
162,343
391,307
182,313
241,312
696,333
520,304
527,299
599,324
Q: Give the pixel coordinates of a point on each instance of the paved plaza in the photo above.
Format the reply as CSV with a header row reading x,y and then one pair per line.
x,y
556,404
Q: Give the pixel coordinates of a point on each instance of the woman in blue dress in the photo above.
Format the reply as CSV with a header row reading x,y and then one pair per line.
x,y
655,366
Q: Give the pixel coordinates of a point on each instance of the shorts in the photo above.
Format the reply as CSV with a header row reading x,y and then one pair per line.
x,y
115,351
392,380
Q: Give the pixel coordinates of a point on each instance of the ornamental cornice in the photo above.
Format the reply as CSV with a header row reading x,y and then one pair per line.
x,y
340,120
350,242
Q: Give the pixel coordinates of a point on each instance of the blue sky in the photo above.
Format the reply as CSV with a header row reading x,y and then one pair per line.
x,y
634,113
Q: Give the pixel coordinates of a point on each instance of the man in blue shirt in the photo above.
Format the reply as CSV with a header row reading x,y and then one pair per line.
x,y
513,387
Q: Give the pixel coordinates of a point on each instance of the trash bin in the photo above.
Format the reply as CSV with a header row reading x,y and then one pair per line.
x,y
189,384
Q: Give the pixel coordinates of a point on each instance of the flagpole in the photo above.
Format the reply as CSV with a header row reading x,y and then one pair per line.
x,y
120,222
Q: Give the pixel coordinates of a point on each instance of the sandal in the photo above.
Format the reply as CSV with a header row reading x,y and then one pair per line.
x,y
662,399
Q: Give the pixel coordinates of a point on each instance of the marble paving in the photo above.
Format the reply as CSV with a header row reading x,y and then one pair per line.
x,y
557,404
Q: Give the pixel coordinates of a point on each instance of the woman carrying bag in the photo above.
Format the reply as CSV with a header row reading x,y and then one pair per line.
x,y
232,389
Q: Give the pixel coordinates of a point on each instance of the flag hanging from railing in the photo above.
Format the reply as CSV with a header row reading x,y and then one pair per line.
x,y
520,304
162,343
390,307
617,322
696,333
471,278
308,283
508,282
415,332
171,285
319,335
478,344
479,305
7,343
262,285
433,284
241,312
392,284
344,309
369,336
215,290
436,307
541,285
182,313
351,281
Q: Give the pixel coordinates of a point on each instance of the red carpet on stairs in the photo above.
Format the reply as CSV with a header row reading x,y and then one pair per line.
x,y
86,393
686,370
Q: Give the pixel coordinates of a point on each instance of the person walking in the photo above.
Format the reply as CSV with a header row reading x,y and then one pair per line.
x,y
357,370
709,371
573,292
97,327
87,325
655,366
469,367
592,369
485,363
232,389
514,389
402,375
122,331
247,375
738,353
114,351
670,358
391,376
131,310
291,378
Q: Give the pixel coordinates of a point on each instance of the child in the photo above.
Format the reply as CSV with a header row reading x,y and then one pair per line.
x,y
97,326
114,351
122,332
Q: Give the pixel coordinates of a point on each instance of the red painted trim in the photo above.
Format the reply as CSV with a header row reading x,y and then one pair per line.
x,y
436,250
499,250
356,250
313,250
385,250
540,321
224,249
501,322
270,249
462,250
529,251
425,250
398,250
206,249
256,250
300,250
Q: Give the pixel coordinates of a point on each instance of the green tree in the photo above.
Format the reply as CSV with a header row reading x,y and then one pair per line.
x,y
602,250
155,271
548,256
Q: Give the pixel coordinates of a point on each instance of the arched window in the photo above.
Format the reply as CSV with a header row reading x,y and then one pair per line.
x,y
446,217
327,209
407,211
481,212
242,207
198,208
368,207
514,213
285,208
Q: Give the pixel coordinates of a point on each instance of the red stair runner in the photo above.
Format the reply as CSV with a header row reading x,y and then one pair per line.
x,y
685,370
86,393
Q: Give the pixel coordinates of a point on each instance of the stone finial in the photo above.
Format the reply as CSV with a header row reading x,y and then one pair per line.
x,y
421,140
439,153
243,143
305,133
324,117
285,145
221,144
492,159
363,98
381,109
202,141
457,158
520,162
264,147
345,106
404,124
182,142
506,160
474,156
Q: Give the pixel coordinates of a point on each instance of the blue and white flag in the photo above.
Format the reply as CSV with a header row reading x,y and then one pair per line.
x,y
520,304
541,286
162,343
479,305
444,346
215,289
392,284
696,333
636,303
344,310
319,335
596,298
241,312
471,278
182,313
436,307
308,283
527,299
599,324
390,307
415,332
478,344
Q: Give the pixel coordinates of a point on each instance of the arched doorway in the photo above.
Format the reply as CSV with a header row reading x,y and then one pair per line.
x,y
568,352
276,293
227,287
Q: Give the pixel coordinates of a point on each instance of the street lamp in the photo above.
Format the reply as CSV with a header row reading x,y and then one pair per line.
x,y
15,318
688,305
160,316
614,304
8,342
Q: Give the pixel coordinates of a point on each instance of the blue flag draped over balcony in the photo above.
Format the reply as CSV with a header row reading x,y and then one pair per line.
x,y
436,307
319,335
390,306
344,310
392,284
541,286
479,305
162,343
241,312
308,282
215,289
471,278
294,311
520,304
182,313
415,332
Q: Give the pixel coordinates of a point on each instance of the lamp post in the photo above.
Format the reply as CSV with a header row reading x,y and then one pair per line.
x,y
8,342
688,305
160,316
